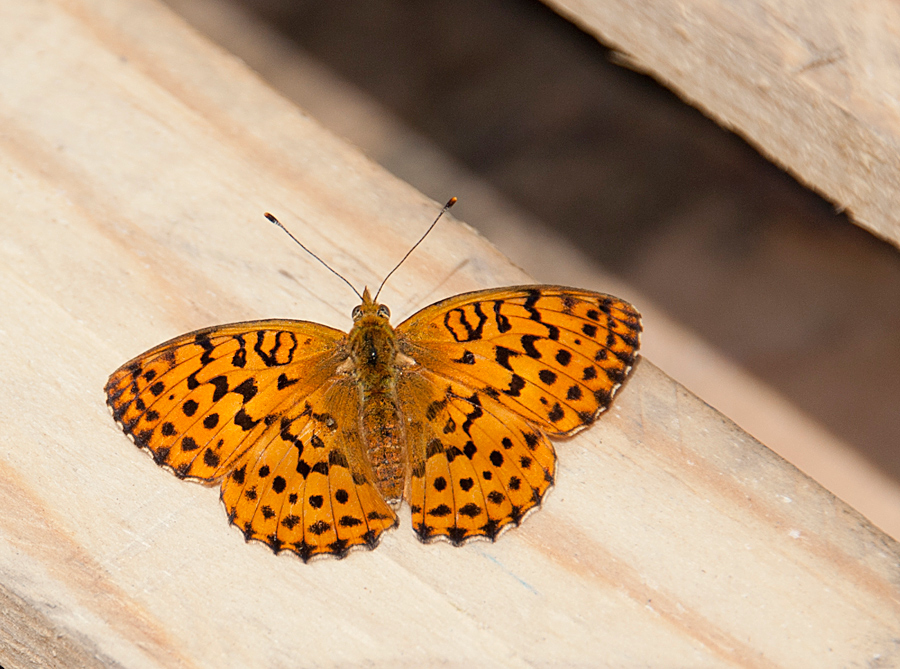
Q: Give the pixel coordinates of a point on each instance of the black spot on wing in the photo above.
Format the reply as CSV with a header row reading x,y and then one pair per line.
x,y
210,458
433,447
202,340
470,510
247,388
516,384
528,346
244,421
547,377
337,459
435,408
473,415
467,358
469,450
502,355
556,413
502,321
220,383
319,527
239,359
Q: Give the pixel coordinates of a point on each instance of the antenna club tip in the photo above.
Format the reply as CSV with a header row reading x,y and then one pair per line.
x,y
450,203
271,218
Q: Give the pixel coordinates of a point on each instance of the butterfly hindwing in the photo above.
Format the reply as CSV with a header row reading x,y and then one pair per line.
x,y
305,485
476,467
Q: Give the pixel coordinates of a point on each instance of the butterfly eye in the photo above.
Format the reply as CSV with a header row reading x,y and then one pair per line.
x,y
356,313
383,311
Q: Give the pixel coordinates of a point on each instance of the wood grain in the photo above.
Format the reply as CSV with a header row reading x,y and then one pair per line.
x,y
813,85
138,160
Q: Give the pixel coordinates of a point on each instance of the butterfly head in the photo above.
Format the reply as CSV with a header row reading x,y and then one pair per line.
x,y
370,311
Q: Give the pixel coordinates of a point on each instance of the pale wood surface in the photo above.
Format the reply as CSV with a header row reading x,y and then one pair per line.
x,y
815,85
137,163
549,257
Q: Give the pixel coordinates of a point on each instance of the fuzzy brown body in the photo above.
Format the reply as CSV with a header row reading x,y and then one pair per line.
x,y
373,354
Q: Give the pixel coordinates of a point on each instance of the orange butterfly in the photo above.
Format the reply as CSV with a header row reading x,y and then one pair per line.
x,y
317,435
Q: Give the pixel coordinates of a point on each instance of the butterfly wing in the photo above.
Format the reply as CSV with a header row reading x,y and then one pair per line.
x,y
501,370
234,402
475,466
305,485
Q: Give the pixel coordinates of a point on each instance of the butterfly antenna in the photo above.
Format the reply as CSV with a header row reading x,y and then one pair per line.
x,y
443,211
274,220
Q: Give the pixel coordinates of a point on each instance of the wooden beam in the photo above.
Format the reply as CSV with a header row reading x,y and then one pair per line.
x,y
138,161
813,85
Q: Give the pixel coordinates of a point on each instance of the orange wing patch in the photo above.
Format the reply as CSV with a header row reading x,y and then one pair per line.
x,y
554,356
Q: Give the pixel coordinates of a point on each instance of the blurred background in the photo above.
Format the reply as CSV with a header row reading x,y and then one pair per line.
x,y
758,296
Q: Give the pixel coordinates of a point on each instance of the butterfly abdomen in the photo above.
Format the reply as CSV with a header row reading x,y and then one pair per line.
x,y
383,439
373,347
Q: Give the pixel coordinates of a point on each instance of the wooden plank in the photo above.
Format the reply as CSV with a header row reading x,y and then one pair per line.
x,y
546,255
813,85
138,161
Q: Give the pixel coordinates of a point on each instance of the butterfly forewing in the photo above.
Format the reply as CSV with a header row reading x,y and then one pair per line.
x,y
553,355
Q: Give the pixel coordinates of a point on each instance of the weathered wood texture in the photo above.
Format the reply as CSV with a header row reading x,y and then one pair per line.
x,y
138,161
548,256
814,85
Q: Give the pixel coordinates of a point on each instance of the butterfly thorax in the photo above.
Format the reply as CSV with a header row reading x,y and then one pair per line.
x,y
373,354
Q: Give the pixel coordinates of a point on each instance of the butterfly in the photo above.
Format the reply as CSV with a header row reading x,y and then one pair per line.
x,y
316,436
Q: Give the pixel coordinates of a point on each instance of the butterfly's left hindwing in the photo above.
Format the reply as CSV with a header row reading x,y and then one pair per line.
x,y
476,467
